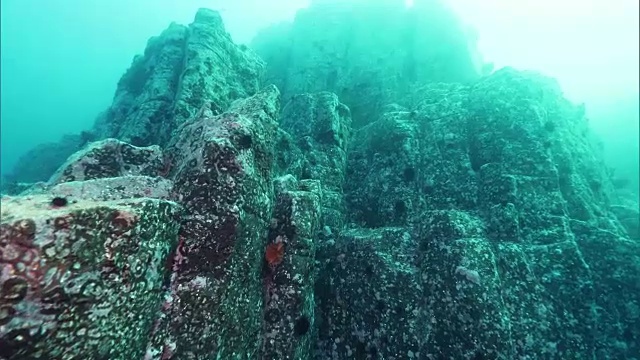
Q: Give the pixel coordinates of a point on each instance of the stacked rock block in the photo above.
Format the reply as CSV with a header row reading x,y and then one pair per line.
x,y
221,168
320,127
82,280
289,310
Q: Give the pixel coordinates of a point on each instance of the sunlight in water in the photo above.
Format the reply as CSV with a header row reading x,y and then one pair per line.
x,y
408,3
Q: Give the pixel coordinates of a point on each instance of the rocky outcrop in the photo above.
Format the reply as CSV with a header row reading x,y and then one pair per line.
x,y
221,168
180,71
410,47
110,158
319,126
369,296
82,280
289,300
462,221
489,206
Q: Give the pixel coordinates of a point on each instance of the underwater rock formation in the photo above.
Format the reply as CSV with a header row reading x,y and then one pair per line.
x,y
180,70
289,300
370,53
469,220
221,168
319,126
496,206
83,279
110,158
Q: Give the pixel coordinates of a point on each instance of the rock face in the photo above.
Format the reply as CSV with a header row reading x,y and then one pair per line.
x,y
82,280
110,158
369,53
180,70
221,167
466,221
320,127
289,305
489,207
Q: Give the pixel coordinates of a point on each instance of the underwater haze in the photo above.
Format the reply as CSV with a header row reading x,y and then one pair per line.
x,y
321,179
61,59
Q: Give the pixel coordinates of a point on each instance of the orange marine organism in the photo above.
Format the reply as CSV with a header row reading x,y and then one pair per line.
x,y
274,253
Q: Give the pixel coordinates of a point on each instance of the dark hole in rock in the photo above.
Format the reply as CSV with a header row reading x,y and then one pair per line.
x,y
400,208
302,325
59,201
138,141
15,340
361,350
627,334
428,188
272,315
476,164
409,174
306,174
54,295
14,290
245,141
371,218
6,313
368,270
51,310
373,350
327,137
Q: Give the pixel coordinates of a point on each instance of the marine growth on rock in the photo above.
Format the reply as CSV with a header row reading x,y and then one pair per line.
x,y
322,194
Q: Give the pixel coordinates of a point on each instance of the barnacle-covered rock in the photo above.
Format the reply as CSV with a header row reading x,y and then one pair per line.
x,y
105,189
320,127
83,280
506,204
222,176
369,296
289,286
110,158
470,220
180,70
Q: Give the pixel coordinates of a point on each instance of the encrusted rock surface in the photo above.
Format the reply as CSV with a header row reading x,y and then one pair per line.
x,y
110,158
179,71
458,221
368,296
289,307
320,128
221,167
117,188
83,280
504,205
